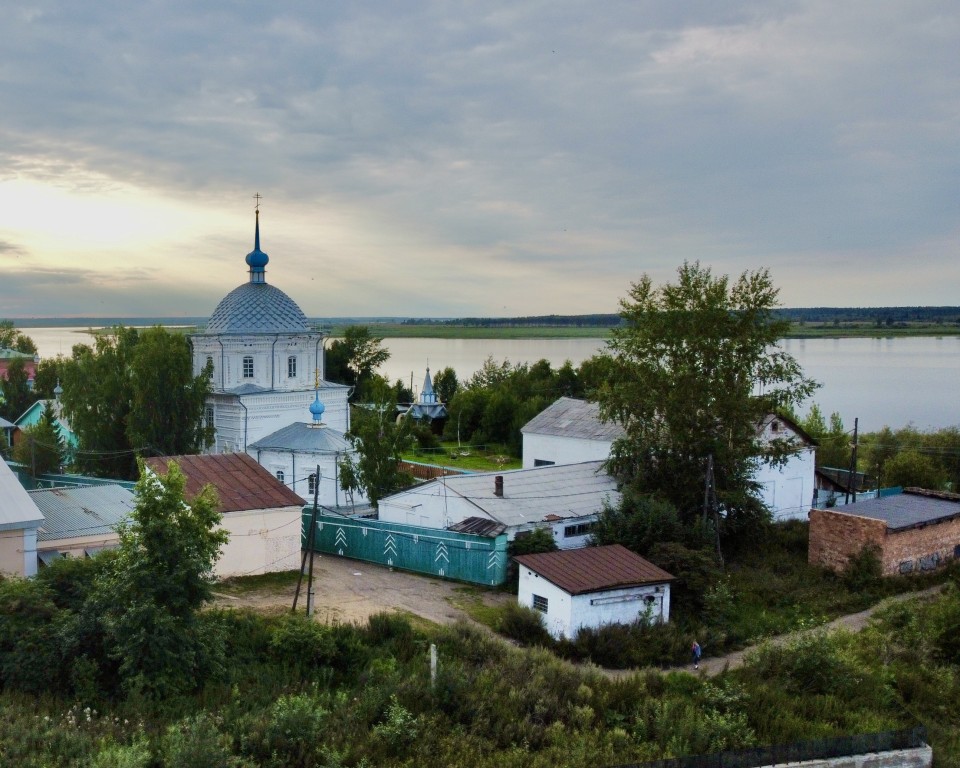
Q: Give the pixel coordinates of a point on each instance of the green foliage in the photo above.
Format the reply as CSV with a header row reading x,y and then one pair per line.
x,y
40,447
864,568
196,742
911,457
523,624
166,399
639,522
379,440
16,394
445,384
133,391
532,542
684,372
29,653
833,442
354,360
301,643
49,374
134,755
157,584
912,469
11,338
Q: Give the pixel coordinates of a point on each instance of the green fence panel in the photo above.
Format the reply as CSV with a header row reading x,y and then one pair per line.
x,y
459,556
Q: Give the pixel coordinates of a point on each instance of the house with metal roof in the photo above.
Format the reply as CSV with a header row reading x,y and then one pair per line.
x,y
571,430
31,417
264,359
916,530
593,587
565,499
19,521
80,521
261,514
306,457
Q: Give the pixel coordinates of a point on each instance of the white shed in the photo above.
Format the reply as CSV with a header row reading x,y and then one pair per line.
x,y
593,587
567,499
19,521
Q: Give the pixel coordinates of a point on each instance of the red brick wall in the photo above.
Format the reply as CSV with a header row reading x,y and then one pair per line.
x,y
835,537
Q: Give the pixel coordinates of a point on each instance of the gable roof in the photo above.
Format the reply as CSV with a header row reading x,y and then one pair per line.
x,y
593,569
241,483
17,509
304,438
86,511
569,417
913,508
768,421
556,492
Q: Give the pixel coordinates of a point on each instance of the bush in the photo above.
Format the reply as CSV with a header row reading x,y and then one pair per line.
x,y
29,645
301,643
395,632
523,624
864,569
195,742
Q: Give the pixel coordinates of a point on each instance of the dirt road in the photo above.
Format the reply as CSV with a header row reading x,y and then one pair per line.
x,y
347,591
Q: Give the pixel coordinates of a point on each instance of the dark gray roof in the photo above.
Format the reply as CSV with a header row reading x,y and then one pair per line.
x,y
906,510
304,438
573,418
257,308
479,526
5,424
88,511
247,389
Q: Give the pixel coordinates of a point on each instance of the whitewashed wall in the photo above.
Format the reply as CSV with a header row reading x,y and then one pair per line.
x,y
261,541
788,490
297,468
563,450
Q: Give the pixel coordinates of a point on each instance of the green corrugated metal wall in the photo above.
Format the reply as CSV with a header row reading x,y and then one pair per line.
x,y
459,556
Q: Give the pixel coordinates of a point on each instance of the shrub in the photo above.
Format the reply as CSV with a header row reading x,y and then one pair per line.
x,y
395,632
196,742
523,624
301,643
135,755
863,569
29,646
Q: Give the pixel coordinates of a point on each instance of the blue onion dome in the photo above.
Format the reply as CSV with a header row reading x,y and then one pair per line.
x,y
316,408
257,259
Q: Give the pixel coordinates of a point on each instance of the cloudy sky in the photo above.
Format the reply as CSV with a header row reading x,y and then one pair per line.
x,y
451,159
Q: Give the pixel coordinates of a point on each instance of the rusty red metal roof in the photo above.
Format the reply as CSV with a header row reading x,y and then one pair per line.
x,y
594,568
241,483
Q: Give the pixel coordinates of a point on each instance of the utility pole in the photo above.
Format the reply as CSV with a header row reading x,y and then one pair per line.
x,y
308,552
851,476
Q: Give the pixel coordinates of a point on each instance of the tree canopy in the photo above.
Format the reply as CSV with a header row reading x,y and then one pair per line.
x,y
133,392
379,439
41,446
690,374
16,395
354,360
11,338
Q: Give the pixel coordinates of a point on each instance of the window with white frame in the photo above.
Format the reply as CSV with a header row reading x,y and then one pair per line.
x,y
540,603
248,367
280,476
209,417
312,484
292,367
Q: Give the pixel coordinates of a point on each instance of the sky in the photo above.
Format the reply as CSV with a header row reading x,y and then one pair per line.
x,y
447,159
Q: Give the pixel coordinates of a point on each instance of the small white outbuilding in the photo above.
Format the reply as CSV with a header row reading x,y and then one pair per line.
x,y
592,587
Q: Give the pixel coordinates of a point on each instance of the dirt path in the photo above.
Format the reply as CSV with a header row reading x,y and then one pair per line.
x,y
349,591
853,622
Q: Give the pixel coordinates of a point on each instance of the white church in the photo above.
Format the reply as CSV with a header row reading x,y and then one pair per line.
x,y
265,359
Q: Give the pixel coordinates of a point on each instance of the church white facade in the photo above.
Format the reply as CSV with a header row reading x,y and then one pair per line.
x,y
264,359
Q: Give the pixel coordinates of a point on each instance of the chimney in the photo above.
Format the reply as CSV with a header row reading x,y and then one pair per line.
x,y
498,485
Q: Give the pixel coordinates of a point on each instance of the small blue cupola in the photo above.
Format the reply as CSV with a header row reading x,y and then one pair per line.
x,y
317,409
257,259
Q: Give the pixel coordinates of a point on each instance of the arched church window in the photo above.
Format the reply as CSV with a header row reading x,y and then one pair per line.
x,y
312,483
292,367
210,367
280,475
209,417
248,367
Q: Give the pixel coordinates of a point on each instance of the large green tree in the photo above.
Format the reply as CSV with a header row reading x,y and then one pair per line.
x,y
16,394
379,439
41,447
833,442
133,393
354,360
692,370
158,583
12,338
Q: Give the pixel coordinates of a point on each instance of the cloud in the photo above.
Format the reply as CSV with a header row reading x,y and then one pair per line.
x,y
425,157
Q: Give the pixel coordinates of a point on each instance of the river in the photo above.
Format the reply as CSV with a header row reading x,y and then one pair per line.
x,y
892,381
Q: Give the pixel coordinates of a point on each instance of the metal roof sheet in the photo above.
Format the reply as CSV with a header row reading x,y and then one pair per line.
x,y
563,491
478,526
241,483
85,511
304,438
905,510
257,308
573,418
17,509
592,569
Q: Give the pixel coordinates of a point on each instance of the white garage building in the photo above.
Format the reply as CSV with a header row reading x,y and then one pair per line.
x,y
592,587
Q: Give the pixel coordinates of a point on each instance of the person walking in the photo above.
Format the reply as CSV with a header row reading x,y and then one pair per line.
x,y
696,652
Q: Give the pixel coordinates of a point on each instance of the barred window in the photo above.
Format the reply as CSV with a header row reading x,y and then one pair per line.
x,y
540,603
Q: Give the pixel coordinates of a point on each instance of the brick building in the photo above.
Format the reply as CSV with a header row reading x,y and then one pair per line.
x,y
916,530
